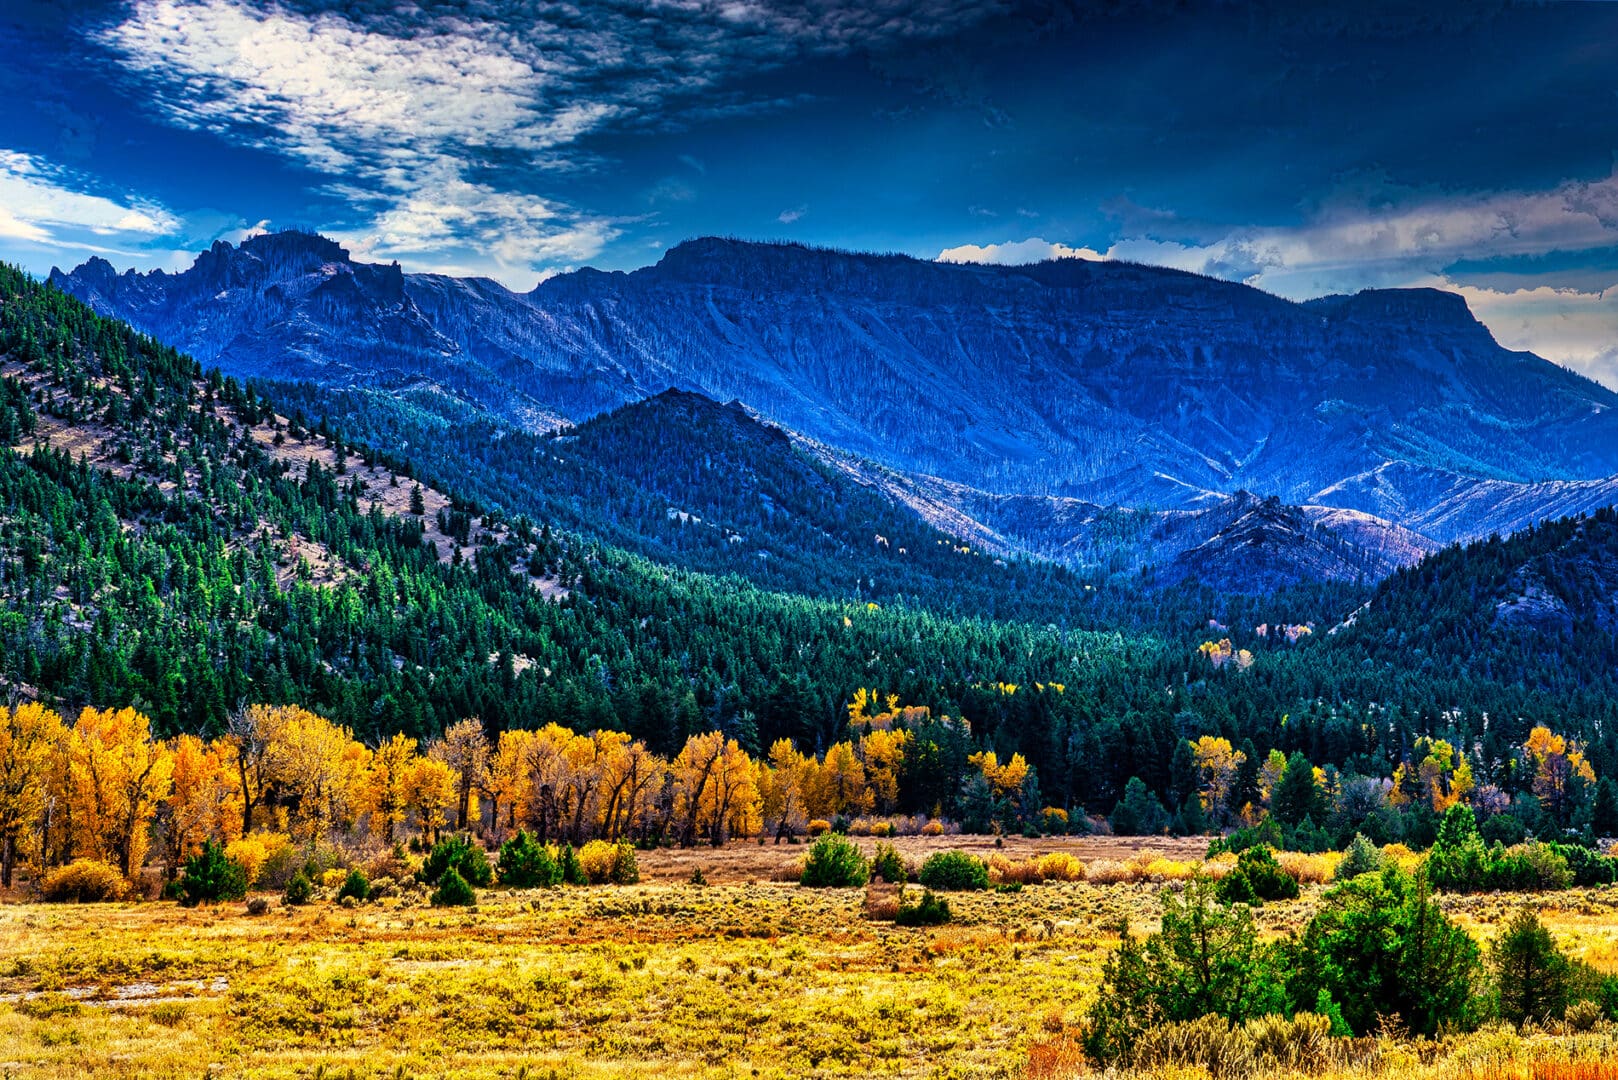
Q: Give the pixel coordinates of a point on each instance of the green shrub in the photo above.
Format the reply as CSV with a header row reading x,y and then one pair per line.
x,y
1503,829
210,877
954,871
1266,833
1206,960
930,910
1362,857
355,885
889,865
299,889
453,891
1588,867
1256,879
525,863
572,869
458,853
834,862
1379,945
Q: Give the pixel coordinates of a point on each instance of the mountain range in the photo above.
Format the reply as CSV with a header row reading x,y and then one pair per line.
x,y
1108,416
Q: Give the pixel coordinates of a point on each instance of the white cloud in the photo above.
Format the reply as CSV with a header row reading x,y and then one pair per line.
x,y
1574,328
419,110
1016,253
1383,238
787,217
42,204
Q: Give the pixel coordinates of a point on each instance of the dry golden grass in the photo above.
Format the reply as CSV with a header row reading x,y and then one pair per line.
x,y
658,979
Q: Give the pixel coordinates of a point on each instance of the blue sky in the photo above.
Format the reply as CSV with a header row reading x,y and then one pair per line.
x,y
1470,147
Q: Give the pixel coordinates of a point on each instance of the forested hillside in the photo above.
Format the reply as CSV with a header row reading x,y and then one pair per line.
x,y
174,543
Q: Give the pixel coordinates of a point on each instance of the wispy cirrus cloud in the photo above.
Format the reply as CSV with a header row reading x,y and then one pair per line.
x,y
439,123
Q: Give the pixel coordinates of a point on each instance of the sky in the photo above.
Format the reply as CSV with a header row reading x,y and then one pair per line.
x,y
1302,148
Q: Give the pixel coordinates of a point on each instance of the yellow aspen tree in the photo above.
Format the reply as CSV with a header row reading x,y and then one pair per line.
x,y
505,780
320,766
383,792
626,771
117,777
29,736
249,735
1269,774
203,802
430,789
548,776
1557,765
882,752
1218,764
588,761
842,786
1003,779
692,770
792,784
465,749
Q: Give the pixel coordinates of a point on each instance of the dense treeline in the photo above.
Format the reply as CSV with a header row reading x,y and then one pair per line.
x,y
105,788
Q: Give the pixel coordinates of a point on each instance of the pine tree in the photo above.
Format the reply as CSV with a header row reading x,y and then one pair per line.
x,y
1296,795
1604,814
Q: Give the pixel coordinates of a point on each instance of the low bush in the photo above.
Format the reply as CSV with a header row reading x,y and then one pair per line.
x,y
1206,1044
458,853
930,910
834,862
300,890
889,865
1362,857
255,851
1309,869
355,885
525,863
1004,871
954,871
1302,1043
606,863
83,881
209,877
1060,866
453,891
1257,878
882,900
819,826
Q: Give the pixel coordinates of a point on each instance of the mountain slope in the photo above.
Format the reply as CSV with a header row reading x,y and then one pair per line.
x,y
1540,607
1105,382
169,541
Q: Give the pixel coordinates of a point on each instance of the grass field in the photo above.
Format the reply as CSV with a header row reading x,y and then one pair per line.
x,y
742,977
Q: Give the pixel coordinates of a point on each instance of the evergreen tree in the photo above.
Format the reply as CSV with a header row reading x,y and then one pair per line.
x,y
1604,811
1296,795
1532,975
1138,813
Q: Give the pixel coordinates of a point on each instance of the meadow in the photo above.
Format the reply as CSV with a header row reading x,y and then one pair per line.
x,y
744,976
